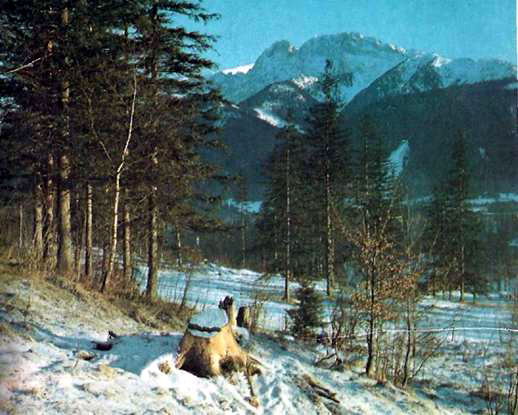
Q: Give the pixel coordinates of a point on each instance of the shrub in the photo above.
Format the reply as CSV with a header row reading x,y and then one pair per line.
x,y
308,314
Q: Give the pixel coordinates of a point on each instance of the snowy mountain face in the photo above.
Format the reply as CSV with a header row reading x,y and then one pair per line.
x,y
367,58
406,91
428,72
278,102
386,68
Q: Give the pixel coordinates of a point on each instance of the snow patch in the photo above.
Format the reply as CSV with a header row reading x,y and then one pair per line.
x,y
269,118
501,198
399,157
239,69
251,207
440,61
303,81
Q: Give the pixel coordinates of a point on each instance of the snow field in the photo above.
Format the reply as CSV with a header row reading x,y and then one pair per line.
x,y
42,371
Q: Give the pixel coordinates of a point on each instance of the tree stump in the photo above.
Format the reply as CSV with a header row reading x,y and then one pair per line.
x,y
209,347
243,317
227,304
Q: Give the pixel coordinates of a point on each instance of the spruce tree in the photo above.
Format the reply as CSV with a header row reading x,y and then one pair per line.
x,y
177,117
308,315
328,167
463,226
282,212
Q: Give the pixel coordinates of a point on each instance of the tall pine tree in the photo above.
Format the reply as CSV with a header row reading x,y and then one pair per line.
x,y
328,167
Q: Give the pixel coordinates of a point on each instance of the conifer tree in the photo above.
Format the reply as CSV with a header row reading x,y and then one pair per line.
x,y
464,251
177,115
435,242
281,214
328,166
308,314
376,239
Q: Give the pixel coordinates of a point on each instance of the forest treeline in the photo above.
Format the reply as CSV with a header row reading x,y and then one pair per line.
x,y
105,111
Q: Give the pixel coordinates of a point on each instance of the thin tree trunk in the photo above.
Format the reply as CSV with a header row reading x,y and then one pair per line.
x,y
20,227
106,256
79,237
38,221
178,236
49,249
329,258
113,234
117,190
89,233
65,253
462,274
126,257
152,277
288,230
371,335
243,239
406,366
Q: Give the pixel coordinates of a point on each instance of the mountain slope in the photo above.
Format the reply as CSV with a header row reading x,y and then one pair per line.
x,y
367,58
486,112
430,72
386,68
280,100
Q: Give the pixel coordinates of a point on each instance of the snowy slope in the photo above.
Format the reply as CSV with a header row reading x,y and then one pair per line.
x,y
399,157
425,72
367,58
385,67
279,101
46,338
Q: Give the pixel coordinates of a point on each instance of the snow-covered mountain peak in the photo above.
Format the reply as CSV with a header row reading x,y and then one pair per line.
x,y
366,57
425,71
387,68
281,47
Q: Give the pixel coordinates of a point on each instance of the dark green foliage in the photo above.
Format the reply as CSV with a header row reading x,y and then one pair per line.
x,y
328,170
453,234
307,317
285,176
374,185
117,89
485,112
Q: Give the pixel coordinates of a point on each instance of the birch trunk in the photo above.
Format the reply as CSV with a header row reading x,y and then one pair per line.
x,y
65,252
126,258
89,233
117,190
79,237
110,265
20,227
178,234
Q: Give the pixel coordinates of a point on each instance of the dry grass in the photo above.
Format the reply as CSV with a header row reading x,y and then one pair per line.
x,y
160,315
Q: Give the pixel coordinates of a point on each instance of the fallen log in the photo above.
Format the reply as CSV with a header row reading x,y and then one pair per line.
x,y
307,383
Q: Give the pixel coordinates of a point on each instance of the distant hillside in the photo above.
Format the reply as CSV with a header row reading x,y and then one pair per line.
x,y
486,112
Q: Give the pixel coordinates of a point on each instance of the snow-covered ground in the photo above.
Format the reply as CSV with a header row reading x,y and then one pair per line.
x,y
48,364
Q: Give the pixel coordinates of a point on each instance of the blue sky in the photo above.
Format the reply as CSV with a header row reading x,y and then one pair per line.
x,y
452,28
